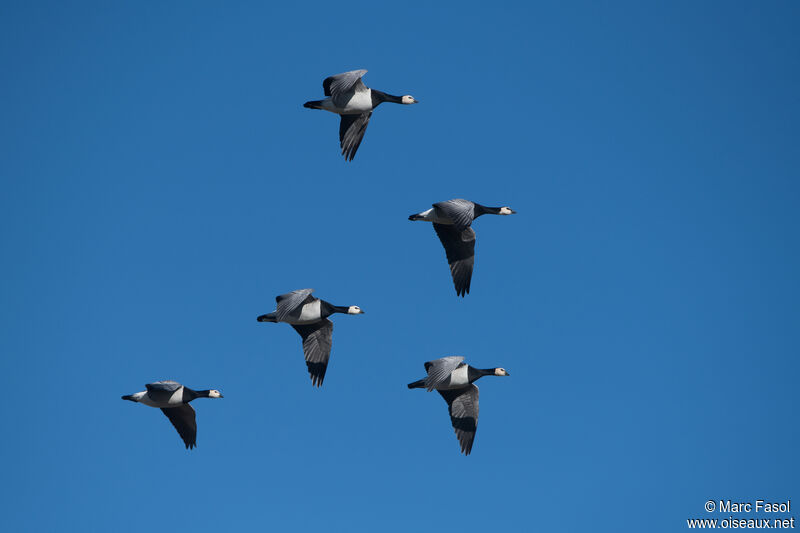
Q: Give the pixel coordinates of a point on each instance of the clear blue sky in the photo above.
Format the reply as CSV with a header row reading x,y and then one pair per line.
x,y
161,183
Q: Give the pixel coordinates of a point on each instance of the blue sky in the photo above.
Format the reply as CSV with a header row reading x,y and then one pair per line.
x,y
162,183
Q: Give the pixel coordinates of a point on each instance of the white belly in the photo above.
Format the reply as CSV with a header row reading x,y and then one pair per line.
x,y
310,313
459,378
360,102
174,401
432,216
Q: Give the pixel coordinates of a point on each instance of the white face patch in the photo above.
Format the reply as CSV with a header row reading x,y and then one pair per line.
x,y
506,211
354,310
408,99
214,394
500,372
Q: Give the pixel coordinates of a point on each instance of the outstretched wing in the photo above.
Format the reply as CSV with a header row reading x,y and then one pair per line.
x,y
162,390
317,341
460,211
459,245
463,407
338,84
289,302
440,369
351,132
184,421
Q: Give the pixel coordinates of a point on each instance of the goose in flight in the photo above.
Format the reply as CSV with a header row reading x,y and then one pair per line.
x,y
173,400
309,317
354,101
451,221
454,380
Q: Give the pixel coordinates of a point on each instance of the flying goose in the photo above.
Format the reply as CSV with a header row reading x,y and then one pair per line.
x,y
451,221
354,101
453,379
309,317
173,399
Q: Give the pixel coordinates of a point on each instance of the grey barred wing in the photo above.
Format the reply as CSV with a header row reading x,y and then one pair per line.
x,y
351,133
460,211
462,404
341,87
440,369
317,342
459,246
287,303
162,390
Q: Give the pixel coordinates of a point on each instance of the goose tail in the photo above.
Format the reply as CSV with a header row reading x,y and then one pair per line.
x,y
313,104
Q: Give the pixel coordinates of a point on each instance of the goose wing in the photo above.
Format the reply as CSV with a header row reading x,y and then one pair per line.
x,y
317,341
460,211
440,369
463,407
343,84
351,132
162,390
184,421
459,245
290,301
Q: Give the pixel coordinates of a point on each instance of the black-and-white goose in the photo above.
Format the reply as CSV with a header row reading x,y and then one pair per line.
x,y
309,317
173,399
354,101
453,379
451,221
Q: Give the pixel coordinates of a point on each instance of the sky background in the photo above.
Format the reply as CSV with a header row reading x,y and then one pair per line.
x,y
162,183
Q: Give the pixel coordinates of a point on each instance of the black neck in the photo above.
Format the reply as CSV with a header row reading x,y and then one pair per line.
x,y
476,373
189,394
329,309
484,210
379,97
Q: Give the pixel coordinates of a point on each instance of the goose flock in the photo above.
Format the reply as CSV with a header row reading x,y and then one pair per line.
x,y
347,96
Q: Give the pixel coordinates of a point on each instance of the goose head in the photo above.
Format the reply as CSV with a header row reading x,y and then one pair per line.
x,y
354,310
214,393
506,211
408,100
501,372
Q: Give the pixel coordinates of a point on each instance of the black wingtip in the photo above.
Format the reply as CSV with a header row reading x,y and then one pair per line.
x,y
316,371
